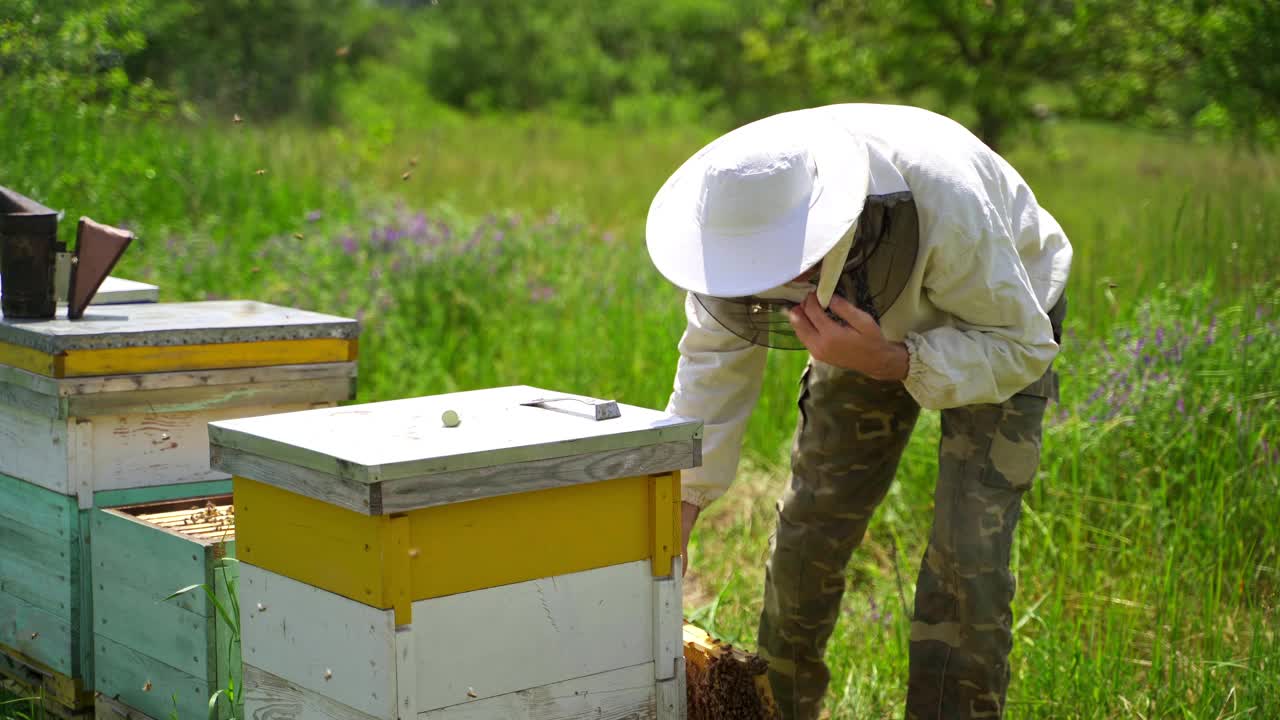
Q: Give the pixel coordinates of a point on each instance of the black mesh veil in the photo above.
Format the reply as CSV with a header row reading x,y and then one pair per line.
x,y
880,262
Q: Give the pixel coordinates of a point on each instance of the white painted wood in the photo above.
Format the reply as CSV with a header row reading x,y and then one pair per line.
x,y
80,461
500,640
673,699
201,398
99,384
188,323
118,291
406,675
668,624
270,697
161,448
34,448
319,641
625,694
407,439
451,487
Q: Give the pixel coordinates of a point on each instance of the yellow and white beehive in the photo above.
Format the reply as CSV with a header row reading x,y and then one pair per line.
x,y
522,562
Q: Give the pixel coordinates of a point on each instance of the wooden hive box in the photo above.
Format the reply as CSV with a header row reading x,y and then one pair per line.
x,y
112,410
151,654
523,564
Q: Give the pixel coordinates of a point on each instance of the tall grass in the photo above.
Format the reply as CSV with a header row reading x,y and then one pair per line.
x,y
493,252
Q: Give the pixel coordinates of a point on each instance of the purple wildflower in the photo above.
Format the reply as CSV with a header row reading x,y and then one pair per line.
x,y
1159,336
349,245
542,293
314,216
1182,406
608,238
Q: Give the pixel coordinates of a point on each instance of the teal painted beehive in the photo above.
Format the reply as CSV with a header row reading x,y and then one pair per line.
x,y
111,411
154,653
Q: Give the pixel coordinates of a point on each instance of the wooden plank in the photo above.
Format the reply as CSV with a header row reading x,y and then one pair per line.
x,y
321,544
80,461
148,382
348,494
625,694
668,622
406,439
161,448
406,672
314,393
147,684
519,477
270,697
665,509
106,708
65,693
36,633
176,324
31,360
37,567
160,493
672,702
510,631
319,641
128,553
28,400
82,613
34,449
37,507
172,635
173,358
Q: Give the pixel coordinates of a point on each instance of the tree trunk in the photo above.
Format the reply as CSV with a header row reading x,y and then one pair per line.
x,y
991,126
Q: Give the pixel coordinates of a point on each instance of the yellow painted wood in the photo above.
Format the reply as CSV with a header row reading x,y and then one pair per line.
x,y
665,510
119,361
25,358
447,549
177,358
311,541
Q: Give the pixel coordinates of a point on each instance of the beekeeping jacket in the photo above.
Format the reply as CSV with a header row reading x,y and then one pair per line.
x,y
988,264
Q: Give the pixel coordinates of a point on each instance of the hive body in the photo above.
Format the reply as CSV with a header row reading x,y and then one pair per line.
x,y
112,410
523,564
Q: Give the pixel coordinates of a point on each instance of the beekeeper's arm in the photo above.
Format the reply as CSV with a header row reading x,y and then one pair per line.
x,y
1001,340
718,381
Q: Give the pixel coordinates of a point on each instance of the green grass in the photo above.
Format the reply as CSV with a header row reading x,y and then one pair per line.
x,y
513,254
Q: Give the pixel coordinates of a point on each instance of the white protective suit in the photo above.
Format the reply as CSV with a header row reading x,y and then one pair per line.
x,y
974,312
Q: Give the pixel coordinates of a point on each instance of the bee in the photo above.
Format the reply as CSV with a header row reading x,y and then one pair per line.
x,y
236,118
413,161
260,171
406,174
328,674
342,51
297,236
471,693
35,635
146,687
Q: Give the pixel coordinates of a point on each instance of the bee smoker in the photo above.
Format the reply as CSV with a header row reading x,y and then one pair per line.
x,y
37,272
29,250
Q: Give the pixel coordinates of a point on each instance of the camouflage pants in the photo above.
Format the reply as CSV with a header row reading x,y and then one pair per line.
x,y
851,434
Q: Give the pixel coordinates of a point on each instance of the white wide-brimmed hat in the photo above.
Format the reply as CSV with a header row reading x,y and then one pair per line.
x,y
759,206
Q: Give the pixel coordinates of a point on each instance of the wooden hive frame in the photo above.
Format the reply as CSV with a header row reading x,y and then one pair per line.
x,y
177,651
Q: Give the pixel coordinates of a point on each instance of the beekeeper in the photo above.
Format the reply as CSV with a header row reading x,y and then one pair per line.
x,y
917,269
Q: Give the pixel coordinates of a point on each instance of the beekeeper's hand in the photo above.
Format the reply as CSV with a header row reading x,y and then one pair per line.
x,y
856,345
688,516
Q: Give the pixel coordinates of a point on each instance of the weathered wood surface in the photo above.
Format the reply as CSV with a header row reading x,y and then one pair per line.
x,y
36,566
403,439
65,696
161,448
318,641
270,697
160,493
668,621
170,324
471,484
146,683
672,700
37,634
298,393
348,494
148,382
625,694
532,634
33,448
107,708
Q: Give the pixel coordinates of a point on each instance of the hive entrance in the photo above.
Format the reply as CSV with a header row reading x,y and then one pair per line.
x,y
210,518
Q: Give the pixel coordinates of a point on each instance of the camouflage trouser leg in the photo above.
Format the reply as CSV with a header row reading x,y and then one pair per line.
x,y
851,434
961,633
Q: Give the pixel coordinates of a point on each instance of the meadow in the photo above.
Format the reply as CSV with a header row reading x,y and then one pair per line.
x,y
509,250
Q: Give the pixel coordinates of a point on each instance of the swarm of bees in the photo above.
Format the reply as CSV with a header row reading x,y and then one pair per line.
x,y
221,518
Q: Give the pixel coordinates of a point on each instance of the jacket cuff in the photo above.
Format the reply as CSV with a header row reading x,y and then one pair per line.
x,y
917,381
699,496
